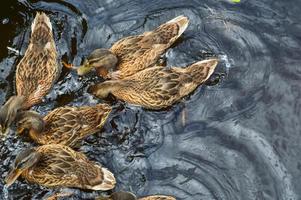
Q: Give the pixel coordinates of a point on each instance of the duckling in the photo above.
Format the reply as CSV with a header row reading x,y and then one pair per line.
x,y
38,69
134,53
8,112
130,196
58,165
156,87
65,125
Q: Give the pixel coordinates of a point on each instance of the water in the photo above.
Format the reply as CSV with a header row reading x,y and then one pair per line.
x,y
239,139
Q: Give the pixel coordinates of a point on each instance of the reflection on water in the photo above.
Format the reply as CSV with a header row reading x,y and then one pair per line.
x,y
239,139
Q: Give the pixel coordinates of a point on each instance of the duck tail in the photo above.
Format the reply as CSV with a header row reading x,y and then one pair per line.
x,y
167,33
108,181
181,22
103,112
41,30
202,70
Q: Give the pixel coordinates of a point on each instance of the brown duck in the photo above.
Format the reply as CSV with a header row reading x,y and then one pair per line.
x,y
58,165
65,125
38,69
134,53
130,196
157,87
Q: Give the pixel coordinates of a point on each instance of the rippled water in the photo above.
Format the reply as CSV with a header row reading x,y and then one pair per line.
x,y
239,139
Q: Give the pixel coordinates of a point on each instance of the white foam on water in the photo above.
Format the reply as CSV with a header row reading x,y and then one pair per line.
x,y
228,63
17,52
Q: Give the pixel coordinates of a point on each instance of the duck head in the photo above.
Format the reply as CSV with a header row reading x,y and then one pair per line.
x,y
102,60
102,90
30,120
24,160
8,112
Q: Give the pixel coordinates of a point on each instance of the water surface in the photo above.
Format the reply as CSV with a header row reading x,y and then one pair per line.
x,y
239,139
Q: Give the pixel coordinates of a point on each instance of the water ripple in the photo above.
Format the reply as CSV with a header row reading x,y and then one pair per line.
x,y
234,140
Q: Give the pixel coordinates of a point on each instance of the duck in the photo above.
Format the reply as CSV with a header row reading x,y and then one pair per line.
x,y
133,53
64,125
38,70
156,88
9,111
56,165
157,197
130,196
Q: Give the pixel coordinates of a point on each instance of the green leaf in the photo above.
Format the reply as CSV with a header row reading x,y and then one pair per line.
x,y
235,1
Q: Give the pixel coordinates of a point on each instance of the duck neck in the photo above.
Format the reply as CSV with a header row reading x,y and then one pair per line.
x,y
114,85
37,129
37,126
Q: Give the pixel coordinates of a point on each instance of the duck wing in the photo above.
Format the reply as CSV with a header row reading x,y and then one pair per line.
x,y
136,53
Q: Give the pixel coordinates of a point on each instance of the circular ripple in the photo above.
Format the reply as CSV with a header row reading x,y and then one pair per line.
x,y
214,144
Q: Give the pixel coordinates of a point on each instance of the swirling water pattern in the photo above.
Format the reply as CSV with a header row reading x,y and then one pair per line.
x,y
239,139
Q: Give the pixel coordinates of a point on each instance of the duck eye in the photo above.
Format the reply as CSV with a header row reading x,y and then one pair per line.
x,y
19,164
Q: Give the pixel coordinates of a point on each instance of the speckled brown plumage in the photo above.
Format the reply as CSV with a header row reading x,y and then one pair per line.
x,y
65,125
136,53
38,69
121,195
157,87
59,165
157,197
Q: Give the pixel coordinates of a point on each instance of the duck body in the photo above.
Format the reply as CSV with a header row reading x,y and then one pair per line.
x,y
130,196
38,69
57,165
65,125
157,87
135,53
157,197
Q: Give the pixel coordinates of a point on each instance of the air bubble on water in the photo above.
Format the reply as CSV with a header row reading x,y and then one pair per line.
x,y
225,59
228,63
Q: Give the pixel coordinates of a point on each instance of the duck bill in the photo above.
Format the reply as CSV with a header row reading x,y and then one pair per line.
x,y
83,69
12,177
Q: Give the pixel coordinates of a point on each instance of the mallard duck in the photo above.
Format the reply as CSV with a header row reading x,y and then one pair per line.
x,y
157,87
134,53
58,165
65,125
130,196
157,197
38,69
8,112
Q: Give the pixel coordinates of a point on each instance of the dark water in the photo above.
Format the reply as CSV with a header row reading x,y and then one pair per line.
x,y
239,139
